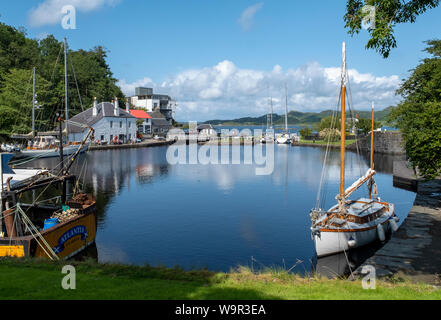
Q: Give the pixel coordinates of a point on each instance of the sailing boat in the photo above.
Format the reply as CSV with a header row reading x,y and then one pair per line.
x,y
284,138
268,137
45,145
48,227
352,223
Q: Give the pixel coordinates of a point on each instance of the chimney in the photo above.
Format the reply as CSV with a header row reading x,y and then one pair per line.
x,y
127,105
95,107
116,107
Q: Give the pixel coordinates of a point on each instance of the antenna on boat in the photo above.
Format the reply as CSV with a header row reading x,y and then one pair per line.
x,y
33,101
66,109
343,124
286,107
372,149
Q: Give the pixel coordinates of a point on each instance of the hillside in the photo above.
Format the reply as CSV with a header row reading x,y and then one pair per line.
x,y
298,118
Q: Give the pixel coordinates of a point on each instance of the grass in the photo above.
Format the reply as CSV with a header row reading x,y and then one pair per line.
x,y
41,279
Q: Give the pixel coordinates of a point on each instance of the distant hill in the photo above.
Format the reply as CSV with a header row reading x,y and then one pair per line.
x,y
298,118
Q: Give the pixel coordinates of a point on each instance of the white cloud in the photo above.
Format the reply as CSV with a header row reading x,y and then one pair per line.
x,y
225,91
50,11
247,17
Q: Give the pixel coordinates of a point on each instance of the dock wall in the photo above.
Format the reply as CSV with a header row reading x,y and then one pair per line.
x,y
384,142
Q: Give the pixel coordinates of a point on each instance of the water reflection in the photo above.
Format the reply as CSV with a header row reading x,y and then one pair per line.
x,y
216,216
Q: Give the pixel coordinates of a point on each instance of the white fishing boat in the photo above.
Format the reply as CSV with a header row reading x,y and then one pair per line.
x,y
48,147
351,223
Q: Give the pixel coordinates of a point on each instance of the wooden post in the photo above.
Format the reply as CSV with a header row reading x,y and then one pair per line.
x,y
9,215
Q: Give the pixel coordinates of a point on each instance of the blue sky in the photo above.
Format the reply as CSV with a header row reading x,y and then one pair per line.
x,y
215,66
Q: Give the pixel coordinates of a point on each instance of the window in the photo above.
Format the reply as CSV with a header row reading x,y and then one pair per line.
x,y
120,124
102,138
111,138
130,124
111,124
130,136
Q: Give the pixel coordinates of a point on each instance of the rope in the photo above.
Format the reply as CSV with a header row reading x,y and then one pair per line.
x,y
76,83
51,254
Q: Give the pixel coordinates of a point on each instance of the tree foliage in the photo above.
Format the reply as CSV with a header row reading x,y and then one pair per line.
x,y
388,13
419,114
89,76
305,132
365,125
329,123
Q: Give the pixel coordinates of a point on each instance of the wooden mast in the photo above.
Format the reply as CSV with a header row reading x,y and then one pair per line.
x,y
343,125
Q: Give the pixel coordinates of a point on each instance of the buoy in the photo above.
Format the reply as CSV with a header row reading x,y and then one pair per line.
x,y
351,242
380,232
393,224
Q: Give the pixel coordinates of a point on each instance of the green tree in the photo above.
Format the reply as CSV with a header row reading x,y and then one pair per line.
x,y
329,123
388,13
419,114
305,132
89,76
16,99
365,125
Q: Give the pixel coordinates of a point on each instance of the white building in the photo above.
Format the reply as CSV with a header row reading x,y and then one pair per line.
x,y
146,126
111,123
144,98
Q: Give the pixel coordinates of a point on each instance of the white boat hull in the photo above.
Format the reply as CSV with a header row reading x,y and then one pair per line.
x,y
51,153
332,242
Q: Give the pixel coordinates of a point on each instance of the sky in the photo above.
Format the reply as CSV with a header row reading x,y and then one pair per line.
x,y
223,59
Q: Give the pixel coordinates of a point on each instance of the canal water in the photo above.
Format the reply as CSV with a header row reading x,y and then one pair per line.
x,y
220,216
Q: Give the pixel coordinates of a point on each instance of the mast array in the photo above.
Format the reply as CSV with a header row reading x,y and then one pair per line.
x,y
343,124
286,108
66,108
33,102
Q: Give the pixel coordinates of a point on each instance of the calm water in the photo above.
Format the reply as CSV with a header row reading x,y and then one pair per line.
x,y
217,216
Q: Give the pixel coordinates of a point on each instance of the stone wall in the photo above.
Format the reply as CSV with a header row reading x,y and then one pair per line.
x,y
384,142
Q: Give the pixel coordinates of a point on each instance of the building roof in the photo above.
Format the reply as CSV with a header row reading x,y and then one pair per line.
x,y
105,109
156,115
140,114
204,126
161,123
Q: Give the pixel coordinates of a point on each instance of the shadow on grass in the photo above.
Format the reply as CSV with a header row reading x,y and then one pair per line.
x,y
41,279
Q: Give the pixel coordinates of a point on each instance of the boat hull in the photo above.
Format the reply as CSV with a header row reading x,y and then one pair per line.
x,y
51,153
66,239
332,242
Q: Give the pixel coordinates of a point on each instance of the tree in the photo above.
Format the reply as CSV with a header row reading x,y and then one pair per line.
x,y
419,114
365,125
329,123
330,134
388,13
305,132
16,102
89,76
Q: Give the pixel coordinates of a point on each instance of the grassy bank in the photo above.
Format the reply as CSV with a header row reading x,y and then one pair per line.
x,y
30,279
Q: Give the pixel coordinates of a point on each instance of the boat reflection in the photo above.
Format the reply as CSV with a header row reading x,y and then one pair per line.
x,y
344,263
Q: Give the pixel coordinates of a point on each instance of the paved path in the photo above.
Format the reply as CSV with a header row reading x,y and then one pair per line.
x,y
415,249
